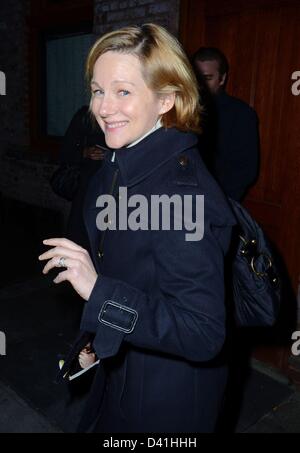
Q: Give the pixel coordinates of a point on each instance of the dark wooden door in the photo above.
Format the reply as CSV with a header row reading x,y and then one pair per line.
x,y
261,39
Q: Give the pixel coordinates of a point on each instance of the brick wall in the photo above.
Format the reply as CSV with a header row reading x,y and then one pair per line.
x,y
113,14
23,176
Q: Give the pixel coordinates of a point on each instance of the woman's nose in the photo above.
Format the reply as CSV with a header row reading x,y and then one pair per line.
x,y
107,106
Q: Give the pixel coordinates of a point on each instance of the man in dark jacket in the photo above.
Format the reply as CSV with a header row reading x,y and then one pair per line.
x,y
230,140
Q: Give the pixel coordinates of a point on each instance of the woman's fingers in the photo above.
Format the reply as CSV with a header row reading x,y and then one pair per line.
x,y
62,277
86,360
69,263
63,242
62,252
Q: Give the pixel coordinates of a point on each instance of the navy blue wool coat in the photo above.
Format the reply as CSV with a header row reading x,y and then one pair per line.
x,y
157,309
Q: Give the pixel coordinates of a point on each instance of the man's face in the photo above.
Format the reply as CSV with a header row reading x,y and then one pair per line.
x,y
210,71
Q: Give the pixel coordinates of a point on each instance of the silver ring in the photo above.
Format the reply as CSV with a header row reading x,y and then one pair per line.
x,y
61,262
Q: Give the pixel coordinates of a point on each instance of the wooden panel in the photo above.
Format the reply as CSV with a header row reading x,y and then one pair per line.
x,y
222,32
192,19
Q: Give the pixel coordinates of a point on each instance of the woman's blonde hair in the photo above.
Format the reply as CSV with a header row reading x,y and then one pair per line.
x,y
165,66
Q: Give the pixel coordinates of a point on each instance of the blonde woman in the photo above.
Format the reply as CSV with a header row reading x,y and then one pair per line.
x,y
154,289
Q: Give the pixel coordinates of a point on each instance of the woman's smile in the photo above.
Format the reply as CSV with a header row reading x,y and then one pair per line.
x,y
115,126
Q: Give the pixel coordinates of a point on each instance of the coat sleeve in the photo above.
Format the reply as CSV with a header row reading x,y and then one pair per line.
x,y
184,316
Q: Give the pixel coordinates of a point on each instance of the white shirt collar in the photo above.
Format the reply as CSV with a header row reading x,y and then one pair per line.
x,y
154,128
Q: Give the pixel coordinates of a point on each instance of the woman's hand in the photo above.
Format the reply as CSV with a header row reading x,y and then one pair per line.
x,y
80,271
87,357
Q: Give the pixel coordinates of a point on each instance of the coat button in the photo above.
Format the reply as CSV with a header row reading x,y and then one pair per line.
x,y
100,254
183,160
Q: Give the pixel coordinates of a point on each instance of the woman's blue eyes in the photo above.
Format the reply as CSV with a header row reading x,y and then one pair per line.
x,y
100,92
97,92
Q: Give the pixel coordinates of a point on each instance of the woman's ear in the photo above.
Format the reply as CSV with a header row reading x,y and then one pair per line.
x,y
167,103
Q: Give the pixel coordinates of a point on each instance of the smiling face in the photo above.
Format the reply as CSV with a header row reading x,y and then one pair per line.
x,y
123,105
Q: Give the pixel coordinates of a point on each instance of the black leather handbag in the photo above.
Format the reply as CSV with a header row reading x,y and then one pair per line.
x,y
256,284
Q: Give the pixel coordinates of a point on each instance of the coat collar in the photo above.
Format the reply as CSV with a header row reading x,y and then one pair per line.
x,y
139,161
